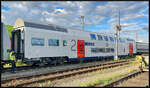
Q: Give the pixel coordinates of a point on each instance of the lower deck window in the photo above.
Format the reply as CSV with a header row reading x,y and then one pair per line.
x,y
102,50
53,42
64,43
97,50
38,41
107,50
112,49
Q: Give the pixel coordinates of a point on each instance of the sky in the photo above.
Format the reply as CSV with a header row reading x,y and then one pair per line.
x,y
99,16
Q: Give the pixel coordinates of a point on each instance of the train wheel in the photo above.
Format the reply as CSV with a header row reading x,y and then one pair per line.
x,y
35,64
55,61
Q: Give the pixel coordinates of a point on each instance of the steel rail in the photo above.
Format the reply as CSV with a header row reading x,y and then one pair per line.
x,y
54,72
60,74
122,79
19,68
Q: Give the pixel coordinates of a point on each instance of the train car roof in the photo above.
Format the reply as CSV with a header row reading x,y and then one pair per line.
x,y
26,23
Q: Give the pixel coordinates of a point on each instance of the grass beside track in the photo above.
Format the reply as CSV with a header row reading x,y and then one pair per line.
x,y
44,77
89,83
112,77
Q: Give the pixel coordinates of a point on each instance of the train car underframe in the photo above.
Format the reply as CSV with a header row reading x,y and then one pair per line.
x,y
45,60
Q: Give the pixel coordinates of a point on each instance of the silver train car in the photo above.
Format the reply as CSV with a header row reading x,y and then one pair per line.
x,y
142,47
5,44
38,43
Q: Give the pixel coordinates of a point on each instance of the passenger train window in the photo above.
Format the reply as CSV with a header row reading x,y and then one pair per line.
x,y
106,38
93,37
37,41
107,50
98,50
129,39
120,40
64,43
102,50
53,42
111,39
89,44
100,37
112,49
123,40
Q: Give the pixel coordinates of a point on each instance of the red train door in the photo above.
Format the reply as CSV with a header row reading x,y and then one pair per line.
x,y
130,48
80,48
11,43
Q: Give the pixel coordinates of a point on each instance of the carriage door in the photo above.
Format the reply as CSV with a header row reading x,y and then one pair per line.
x,y
80,48
130,48
16,44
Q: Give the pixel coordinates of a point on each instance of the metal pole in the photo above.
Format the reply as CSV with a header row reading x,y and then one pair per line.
x,y
82,17
119,17
116,55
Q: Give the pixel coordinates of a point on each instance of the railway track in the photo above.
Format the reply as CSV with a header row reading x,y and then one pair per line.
x,y
28,67
27,80
125,78
19,68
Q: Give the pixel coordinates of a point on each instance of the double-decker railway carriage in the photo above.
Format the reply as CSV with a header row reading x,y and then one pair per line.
x,y
142,47
5,45
36,42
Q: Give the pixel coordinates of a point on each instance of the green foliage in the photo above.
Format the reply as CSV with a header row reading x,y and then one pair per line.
x,y
9,28
98,82
128,57
144,55
134,62
44,84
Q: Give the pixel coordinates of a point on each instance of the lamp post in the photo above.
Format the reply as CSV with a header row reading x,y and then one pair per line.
x,y
82,17
118,29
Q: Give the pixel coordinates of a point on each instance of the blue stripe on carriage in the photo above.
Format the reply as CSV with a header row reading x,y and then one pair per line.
x,y
89,58
92,58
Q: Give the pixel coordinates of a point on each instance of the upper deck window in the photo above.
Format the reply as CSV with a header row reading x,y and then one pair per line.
x,y
100,37
93,37
106,38
111,39
121,40
130,40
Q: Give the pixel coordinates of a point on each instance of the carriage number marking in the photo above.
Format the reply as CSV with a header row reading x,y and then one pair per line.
x,y
73,46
